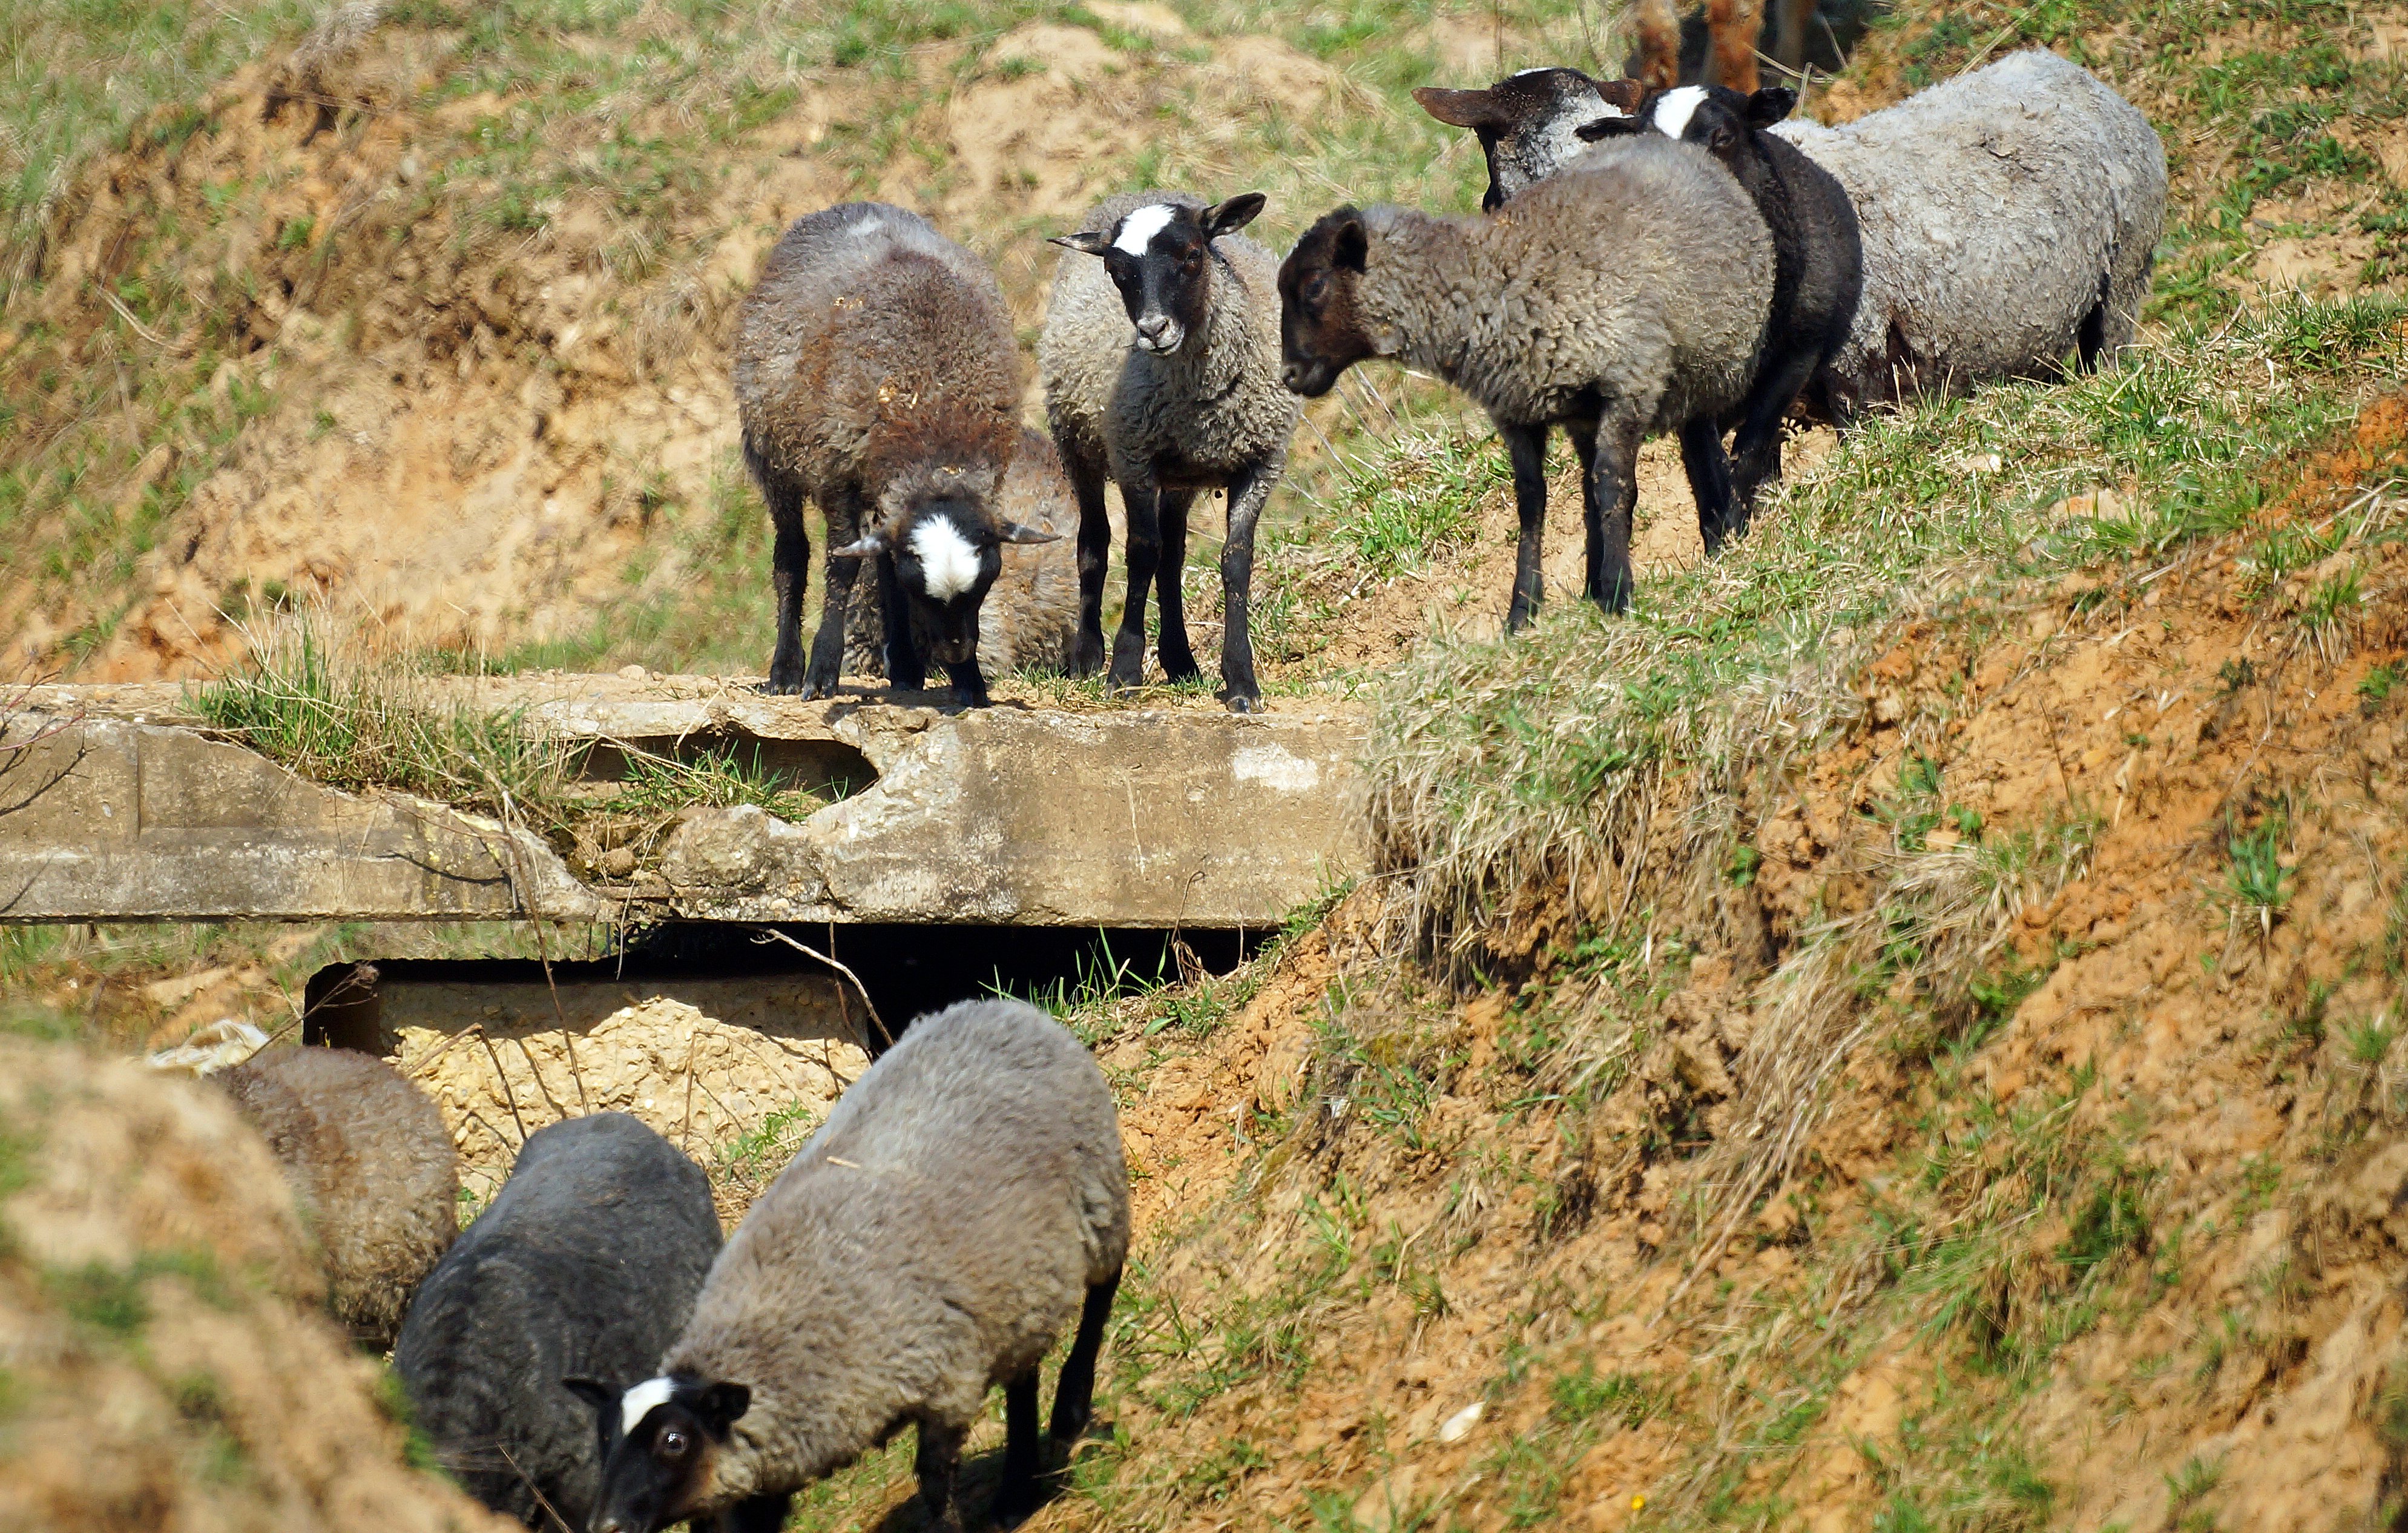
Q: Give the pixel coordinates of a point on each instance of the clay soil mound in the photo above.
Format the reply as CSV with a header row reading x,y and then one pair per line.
x,y
164,1365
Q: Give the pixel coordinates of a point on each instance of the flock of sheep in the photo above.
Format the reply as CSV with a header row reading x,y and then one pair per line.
x,y
1680,261
588,1352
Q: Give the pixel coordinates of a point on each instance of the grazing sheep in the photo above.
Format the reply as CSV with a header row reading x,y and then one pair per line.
x,y
582,1268
1520,313
1031,615
876,377
963,1201
1190,401
2006,218
1817,261
371,1166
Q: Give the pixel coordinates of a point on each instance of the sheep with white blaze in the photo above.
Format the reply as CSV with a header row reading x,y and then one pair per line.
x,y
1817,257
1520,312
963,1200
583,1266
876,376
2008,218
1160,361
371,1166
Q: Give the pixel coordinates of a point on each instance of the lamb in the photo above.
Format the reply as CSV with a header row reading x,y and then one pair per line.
x,y
1191,401
963,1200
582,1268
1030,618
2007,218
875,376
1520,314
1817,260
371,1167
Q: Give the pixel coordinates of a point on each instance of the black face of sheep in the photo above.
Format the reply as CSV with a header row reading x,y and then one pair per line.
x,y
1320,329
1157,256
937,560
1526,122
1716,116
658,1442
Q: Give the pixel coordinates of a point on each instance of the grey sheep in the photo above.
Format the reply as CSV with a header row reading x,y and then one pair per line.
x,y
581,1270
1030,618
1160,365
1518,311
962,1202
876,377
2008,218
370,1165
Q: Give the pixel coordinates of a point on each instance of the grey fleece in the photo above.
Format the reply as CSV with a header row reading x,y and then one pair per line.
x,y
1518,311
932,1240
371,1166
2000,212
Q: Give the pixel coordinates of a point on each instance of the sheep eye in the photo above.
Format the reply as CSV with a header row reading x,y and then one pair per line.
x,y
1316,287
672,1445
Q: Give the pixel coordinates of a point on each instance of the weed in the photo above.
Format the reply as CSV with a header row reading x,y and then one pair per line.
x,y
2375,687
2255,875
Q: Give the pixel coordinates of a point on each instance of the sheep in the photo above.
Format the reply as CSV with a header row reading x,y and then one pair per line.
x,y
1189,401
875,376
1030,618
581,1269
371,1167
1530,123
2006,218
963,1200
1520,313
1817,259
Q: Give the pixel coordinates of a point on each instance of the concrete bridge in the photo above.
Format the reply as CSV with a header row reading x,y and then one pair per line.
x,y
115,805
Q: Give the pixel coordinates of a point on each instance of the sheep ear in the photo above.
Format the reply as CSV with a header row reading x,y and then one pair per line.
x,y
720,1406
1227,218
1086,241
1351,247
1604,128
1771,105
863,546
1460,108
1624,96
1013,532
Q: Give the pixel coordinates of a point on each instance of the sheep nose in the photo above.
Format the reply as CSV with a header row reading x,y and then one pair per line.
x,y
1159,332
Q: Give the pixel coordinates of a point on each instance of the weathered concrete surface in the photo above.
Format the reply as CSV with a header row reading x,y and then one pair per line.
x,y
1005,815
112,821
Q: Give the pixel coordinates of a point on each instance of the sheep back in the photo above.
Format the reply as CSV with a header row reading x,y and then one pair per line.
x,y
1217,406
370,1164
1031,612
1536,322
1997,211
585,1265
933,1238
870,348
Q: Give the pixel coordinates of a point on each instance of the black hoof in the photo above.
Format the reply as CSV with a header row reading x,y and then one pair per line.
x,y
1240,703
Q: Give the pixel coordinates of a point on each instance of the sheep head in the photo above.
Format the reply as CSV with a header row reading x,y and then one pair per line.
x,y
1529,123
936,527
661,1442
1322,331
1160,257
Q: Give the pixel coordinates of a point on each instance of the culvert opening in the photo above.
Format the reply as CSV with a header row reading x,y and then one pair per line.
x,y
825,768
728,1041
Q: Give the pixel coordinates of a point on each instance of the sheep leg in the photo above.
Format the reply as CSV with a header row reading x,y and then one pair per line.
x,y
904,670
970,684
1144,556
1178,659
939,1463
1710,478
1611,491
1017,1497
1074,1388
1755,451
1094,561
790,564
1249,490
1528,448
843,512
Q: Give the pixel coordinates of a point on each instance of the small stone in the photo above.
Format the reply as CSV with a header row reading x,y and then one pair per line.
x,y
633,673
618,861
1458,1426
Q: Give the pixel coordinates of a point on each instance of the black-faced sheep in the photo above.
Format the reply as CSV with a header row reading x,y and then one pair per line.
x,y
876,377
370,1165
1030,618
963,1201
1188,400
1521,314
581,1269
1817,261
2007,218
1530,124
